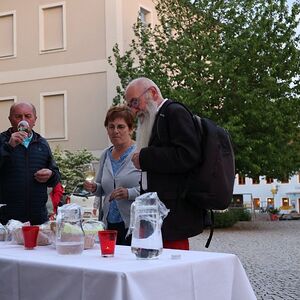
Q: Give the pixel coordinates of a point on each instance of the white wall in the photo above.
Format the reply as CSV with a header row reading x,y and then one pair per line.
x,y
263,191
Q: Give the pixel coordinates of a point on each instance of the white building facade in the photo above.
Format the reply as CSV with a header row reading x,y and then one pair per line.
x,y
263,193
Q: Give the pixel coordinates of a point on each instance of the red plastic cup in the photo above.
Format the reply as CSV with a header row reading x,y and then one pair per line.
x,y
107,239
30,234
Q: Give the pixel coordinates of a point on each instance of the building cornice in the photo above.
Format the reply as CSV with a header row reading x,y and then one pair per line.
x,y
47,72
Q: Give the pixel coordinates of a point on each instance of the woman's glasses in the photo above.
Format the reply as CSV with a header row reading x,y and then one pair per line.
x,y
135,102
118,127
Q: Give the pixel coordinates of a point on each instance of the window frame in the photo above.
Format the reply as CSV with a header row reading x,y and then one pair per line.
x,y
13,13
42,8
147,12
42,113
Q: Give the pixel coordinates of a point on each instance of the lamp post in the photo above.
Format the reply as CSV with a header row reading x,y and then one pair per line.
x,y
274,191
273,211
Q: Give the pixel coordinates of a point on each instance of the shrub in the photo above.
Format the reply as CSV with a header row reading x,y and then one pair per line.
x,y
273,211
224,219
229,217
69,165
241,213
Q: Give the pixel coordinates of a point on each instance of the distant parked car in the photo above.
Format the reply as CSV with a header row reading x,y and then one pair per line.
x,y
291,215
84,199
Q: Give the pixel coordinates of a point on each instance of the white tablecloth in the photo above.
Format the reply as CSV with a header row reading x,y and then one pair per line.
x,y
43,274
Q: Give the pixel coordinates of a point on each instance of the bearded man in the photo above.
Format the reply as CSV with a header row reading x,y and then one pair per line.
x,y
168,149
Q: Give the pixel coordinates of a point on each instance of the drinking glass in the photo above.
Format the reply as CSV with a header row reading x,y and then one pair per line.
x,y
107,239
30,234
24,126
89,172
64,184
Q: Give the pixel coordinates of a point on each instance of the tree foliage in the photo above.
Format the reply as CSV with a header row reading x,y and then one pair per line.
x,y
236,62
69,165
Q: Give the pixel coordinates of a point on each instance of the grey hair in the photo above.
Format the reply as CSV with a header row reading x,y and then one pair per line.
x,y
12,108
145,83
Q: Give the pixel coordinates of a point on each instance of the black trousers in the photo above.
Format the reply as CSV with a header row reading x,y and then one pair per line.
x,y
122,231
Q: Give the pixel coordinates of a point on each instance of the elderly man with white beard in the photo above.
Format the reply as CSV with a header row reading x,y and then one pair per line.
x,y
167,151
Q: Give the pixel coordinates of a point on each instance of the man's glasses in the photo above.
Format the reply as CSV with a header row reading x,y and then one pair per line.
x,y
135,102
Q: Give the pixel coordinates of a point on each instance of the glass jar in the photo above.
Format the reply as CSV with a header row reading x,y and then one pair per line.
x,y
69,231
3,233
146,217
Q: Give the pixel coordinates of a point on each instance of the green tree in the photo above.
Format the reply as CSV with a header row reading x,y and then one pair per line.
x,y
236,62
69,165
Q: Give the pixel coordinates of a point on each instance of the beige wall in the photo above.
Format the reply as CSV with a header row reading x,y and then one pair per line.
x,y
85,109
79,71
85,26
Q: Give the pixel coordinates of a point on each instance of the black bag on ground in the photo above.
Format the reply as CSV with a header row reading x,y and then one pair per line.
x,y
209,186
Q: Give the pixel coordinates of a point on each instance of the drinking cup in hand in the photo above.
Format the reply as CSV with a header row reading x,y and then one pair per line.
x,y
89,172
24,126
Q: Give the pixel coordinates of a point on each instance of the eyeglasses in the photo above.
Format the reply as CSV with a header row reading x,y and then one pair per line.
x,y
119,127
135,102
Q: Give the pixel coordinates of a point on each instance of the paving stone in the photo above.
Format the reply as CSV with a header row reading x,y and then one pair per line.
x,y
269,252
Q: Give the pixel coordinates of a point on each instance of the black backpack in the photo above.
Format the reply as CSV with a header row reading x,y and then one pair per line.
x,y
209,186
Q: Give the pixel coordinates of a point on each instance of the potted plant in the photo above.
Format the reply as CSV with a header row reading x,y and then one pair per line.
x,y
273,213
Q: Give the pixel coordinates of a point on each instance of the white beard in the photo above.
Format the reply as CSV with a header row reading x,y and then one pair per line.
x,y
145,124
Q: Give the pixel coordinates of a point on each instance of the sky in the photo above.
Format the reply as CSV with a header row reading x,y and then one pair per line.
x,y
290,2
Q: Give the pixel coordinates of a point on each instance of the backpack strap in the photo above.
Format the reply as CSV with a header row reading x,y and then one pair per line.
x,y
161,113
198,125
211,226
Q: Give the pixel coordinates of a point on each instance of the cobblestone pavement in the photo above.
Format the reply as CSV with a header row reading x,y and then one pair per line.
x,y
269,252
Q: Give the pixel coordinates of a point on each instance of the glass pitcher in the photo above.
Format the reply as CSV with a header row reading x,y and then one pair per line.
x,y
146,217
69,231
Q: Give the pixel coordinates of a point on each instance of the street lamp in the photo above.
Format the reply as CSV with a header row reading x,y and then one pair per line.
x,y
274,191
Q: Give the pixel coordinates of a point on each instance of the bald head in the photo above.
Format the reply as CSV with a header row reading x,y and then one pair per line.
x,y
27,105
143,83
22,111
140,93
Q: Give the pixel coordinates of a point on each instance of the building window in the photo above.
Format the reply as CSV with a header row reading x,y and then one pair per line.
x,y
8,35
237,200
270,203
284,180
52,27
54,115
242,180
269,180
285,202
256,203
5,104
145,16
255,180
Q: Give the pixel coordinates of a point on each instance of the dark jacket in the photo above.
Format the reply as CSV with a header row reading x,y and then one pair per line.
x,y
25,197
172,153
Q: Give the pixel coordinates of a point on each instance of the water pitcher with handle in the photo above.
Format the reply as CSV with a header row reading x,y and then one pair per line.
x,y
146,218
